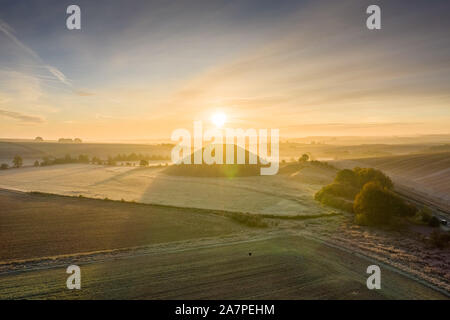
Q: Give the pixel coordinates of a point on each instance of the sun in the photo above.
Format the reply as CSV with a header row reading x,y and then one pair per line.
x,y
219,119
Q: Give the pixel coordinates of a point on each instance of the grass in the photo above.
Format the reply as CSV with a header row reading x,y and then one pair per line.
x,y
302,217
278,268
245,218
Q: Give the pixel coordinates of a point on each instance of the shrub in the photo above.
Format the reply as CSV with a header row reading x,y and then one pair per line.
x,y
439,239
425,215
303,158
365,175
347,176
338,190
83,158
251,220
4,166
111,161
361,220
17,161
143,163
379,204
434,222
336,202
36,163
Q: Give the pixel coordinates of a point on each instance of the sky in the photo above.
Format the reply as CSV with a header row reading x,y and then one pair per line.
x,y
141,69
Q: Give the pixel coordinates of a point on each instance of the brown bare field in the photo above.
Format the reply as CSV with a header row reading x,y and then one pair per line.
x,y
280,268
35,226
138,251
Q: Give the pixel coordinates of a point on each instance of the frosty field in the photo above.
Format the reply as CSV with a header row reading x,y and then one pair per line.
x,y
277,195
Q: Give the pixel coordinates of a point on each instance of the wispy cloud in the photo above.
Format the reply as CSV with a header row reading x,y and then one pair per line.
x,y
55,72
9,32
58,75
21,117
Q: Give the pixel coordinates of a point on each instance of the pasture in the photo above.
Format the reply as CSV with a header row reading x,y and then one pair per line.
x,y
284,194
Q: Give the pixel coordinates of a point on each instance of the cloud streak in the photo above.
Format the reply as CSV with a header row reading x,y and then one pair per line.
x,y
21,117
57,74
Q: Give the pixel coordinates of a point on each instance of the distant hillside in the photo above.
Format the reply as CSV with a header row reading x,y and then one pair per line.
x,y
217,170
37,150
440,148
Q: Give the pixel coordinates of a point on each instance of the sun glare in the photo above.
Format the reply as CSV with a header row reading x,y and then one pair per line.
x,y
219,119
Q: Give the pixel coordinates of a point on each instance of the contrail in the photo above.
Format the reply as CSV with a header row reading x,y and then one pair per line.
x,y
9,32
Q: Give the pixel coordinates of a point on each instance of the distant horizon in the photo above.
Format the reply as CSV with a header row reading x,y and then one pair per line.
x,y
284,139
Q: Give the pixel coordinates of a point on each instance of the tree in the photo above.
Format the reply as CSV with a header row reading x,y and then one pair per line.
x,y
83,158
143,163
347,176
303,158
77,140
111,161
370,174
46,161
67,158
17,161
36,163
378,205
96,160
38,139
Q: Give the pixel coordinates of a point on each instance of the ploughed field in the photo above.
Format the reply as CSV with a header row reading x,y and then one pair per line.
x,y
135,251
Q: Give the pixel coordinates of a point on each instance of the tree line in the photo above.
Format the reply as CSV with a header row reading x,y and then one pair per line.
x,y
83,158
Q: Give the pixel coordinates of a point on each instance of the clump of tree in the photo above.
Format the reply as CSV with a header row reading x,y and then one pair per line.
x,y
69,140
96,160
303,158
358,177
48,161
111,161
321,164
377,205
17,161
138,157
368,193
128,159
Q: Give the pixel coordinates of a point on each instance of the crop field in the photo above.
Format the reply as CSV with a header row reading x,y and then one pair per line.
x,y
284,194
